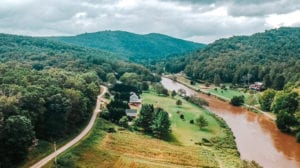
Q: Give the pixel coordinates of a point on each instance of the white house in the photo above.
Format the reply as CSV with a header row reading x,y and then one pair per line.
x,y
134,99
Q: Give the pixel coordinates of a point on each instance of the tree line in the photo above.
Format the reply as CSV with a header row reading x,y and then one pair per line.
x,y
271,57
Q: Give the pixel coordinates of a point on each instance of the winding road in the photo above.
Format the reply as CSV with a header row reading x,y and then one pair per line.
x,y
97,110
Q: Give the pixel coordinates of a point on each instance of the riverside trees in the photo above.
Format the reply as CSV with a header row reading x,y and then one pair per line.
x,y
285,104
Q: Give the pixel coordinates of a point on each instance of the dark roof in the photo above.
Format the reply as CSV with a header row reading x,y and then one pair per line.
x,y
131,112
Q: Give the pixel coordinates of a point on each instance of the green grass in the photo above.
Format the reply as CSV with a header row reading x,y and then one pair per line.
x,y
134,149
185,132
228,94
250,99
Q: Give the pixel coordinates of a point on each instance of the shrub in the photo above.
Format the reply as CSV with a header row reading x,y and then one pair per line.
x,y
201,122
182,116
207,84
178,102
105,114
191,121
237,100
123,122
298,137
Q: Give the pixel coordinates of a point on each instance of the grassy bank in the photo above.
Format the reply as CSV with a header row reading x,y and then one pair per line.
x,y
224,94
221,145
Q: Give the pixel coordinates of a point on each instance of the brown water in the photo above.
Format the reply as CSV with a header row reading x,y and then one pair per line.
x,y
257,137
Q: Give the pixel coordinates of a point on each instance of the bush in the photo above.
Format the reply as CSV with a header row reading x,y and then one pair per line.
x,y
123,122
298,137
105,114
191,121
111,130
66,160
182,116
197,101
207,84
178,102
201,122
237,100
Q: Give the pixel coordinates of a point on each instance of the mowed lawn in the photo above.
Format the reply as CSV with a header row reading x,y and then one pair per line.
x,y
182,130
228,94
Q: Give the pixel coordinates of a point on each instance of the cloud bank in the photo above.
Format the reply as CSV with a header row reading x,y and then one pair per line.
x,y
201,21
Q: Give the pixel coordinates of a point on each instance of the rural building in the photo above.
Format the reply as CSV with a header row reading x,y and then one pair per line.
x,y
258,86
134,100
132,113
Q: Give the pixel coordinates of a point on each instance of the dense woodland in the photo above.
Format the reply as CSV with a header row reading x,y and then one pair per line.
x,y
48,90
145,49
272,57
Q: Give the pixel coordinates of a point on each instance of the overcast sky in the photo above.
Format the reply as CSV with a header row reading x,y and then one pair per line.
x,y
196,20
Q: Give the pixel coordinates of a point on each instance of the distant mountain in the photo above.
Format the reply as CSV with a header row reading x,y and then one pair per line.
x,y
41,53
264,56
135,47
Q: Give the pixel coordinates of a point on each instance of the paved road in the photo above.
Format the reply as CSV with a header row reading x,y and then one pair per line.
x,y
45,160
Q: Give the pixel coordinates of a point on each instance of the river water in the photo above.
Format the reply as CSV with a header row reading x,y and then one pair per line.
x,y
257,137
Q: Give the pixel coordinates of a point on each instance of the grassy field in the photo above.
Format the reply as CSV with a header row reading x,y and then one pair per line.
x,y
185,132
134,149
250,99
131,149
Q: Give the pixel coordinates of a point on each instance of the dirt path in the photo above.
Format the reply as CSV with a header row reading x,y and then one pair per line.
x,y
48,158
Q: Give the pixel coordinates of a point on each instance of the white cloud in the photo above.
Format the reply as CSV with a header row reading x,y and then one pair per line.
x,y
202,21
290,19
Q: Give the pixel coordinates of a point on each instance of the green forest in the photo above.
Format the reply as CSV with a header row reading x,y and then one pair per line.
x,y
144,49
48,90
272,57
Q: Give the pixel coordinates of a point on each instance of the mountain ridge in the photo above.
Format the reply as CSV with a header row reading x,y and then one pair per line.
x,y
136,47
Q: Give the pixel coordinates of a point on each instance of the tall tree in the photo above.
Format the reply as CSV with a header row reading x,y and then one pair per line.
x,y
146,117
116,110
267,82
285,121
111,78
217,80
15,139
266,99
201,122
161,123
279,82
287,102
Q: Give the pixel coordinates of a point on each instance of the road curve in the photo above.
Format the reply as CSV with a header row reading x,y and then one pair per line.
x,y
45,160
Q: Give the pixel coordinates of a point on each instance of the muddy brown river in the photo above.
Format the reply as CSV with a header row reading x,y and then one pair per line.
x,y
257,137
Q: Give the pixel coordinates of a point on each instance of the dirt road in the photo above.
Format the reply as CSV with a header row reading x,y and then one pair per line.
x,y
48,158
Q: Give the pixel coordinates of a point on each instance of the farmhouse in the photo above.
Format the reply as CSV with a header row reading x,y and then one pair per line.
x,y
134,99
258,86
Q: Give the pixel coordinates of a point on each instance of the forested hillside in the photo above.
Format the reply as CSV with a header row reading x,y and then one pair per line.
x,y
272,56
138,48
48,90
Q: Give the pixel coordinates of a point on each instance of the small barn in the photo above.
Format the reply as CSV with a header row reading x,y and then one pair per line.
x,y
132,113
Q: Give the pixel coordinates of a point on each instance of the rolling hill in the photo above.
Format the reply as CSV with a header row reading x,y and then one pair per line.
x,y
265,56
135,47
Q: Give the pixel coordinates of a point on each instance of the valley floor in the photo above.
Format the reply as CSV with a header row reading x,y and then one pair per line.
x,y
133,149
